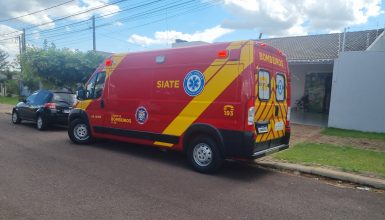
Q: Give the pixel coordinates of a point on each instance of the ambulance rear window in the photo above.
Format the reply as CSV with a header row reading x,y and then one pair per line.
x,y
263,85
280,87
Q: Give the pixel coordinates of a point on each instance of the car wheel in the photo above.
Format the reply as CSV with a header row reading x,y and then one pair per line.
x,y
41,123
79,132
204,155
15,117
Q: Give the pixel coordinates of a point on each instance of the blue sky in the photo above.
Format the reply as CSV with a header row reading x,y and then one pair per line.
x,y
155,24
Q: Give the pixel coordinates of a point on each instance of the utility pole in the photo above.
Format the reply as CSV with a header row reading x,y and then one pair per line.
x,y
93,33
23,41
21,63
20,46
343,41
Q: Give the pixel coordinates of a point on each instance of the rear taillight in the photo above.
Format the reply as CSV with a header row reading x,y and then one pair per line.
x,y
288,117
250,116
288,102
50,105
250,113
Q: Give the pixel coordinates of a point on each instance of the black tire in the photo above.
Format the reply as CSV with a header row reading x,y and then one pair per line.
x,y
204,155
41,123
79,132
15,118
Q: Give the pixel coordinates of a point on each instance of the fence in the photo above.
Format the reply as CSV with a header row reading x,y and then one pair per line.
x,y
3,90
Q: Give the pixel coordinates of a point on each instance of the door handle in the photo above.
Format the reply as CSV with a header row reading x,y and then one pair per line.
x,y
102,104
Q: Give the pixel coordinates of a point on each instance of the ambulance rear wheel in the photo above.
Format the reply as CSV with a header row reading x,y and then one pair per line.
x,y
79,132
204,155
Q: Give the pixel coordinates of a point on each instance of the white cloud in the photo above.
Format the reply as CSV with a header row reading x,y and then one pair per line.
x,y
118,23
12,8
298,17
35,19
11,46
168,37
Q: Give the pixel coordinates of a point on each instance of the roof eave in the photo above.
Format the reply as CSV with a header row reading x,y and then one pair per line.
x,y
301,62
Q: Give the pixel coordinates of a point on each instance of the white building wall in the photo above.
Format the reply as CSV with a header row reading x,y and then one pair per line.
x,y
358,92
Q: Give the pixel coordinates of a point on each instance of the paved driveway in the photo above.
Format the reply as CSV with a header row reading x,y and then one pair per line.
x,y
44,176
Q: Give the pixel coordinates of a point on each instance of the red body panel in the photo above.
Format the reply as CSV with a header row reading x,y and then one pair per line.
x,y
152,83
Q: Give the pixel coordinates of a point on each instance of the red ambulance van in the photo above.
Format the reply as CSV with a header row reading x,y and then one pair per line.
x,y
217,101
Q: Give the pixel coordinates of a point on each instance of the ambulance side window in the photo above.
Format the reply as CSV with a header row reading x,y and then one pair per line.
x,y
99,85
263,85
95,86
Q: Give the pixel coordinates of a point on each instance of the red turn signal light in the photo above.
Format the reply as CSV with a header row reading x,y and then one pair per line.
x,y
109,62
223,54
50,105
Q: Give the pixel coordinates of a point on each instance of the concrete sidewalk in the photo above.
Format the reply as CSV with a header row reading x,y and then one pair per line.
x,y
325,172
5,108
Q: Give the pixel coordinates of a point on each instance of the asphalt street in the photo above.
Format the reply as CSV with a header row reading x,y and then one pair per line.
x,y
44,176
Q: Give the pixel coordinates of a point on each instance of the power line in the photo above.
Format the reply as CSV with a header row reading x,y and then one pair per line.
x,y
147,14
65,17
35,12
76,30
150,12
81,22
87,28
191,9
97,17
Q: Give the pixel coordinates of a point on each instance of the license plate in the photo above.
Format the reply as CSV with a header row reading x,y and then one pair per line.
x,y
66,111
278,126
262,129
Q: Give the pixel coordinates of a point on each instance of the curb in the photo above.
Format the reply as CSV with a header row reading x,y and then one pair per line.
x,y
333,174
6,109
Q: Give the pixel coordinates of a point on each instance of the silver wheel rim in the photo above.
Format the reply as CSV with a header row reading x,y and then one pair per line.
x,y
202,154
14,117
39,122
81,132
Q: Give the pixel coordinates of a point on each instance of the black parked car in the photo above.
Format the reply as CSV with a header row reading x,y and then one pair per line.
x,y
45,108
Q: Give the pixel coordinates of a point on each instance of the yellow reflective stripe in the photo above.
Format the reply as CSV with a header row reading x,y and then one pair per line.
x,y
163,144
211,70
212,90
83,104
117,58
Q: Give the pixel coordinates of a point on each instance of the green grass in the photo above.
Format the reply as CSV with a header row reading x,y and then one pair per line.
x,y
345,158
354,134
9,100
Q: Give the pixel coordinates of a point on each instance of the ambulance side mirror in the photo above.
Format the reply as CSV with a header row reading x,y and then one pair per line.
x,y
80,93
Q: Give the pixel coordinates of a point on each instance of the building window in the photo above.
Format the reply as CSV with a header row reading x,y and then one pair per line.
x,y
263,85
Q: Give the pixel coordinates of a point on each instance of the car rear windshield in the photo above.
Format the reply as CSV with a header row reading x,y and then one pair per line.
x,y
66,98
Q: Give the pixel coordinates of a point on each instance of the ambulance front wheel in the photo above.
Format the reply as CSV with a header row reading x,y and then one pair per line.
x,y
204,155
79,132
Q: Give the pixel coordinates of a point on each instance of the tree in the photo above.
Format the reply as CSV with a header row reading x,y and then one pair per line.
x,y
3,60
59,68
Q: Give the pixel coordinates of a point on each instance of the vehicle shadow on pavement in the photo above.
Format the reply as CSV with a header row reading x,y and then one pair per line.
x,y
236,170
32,125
